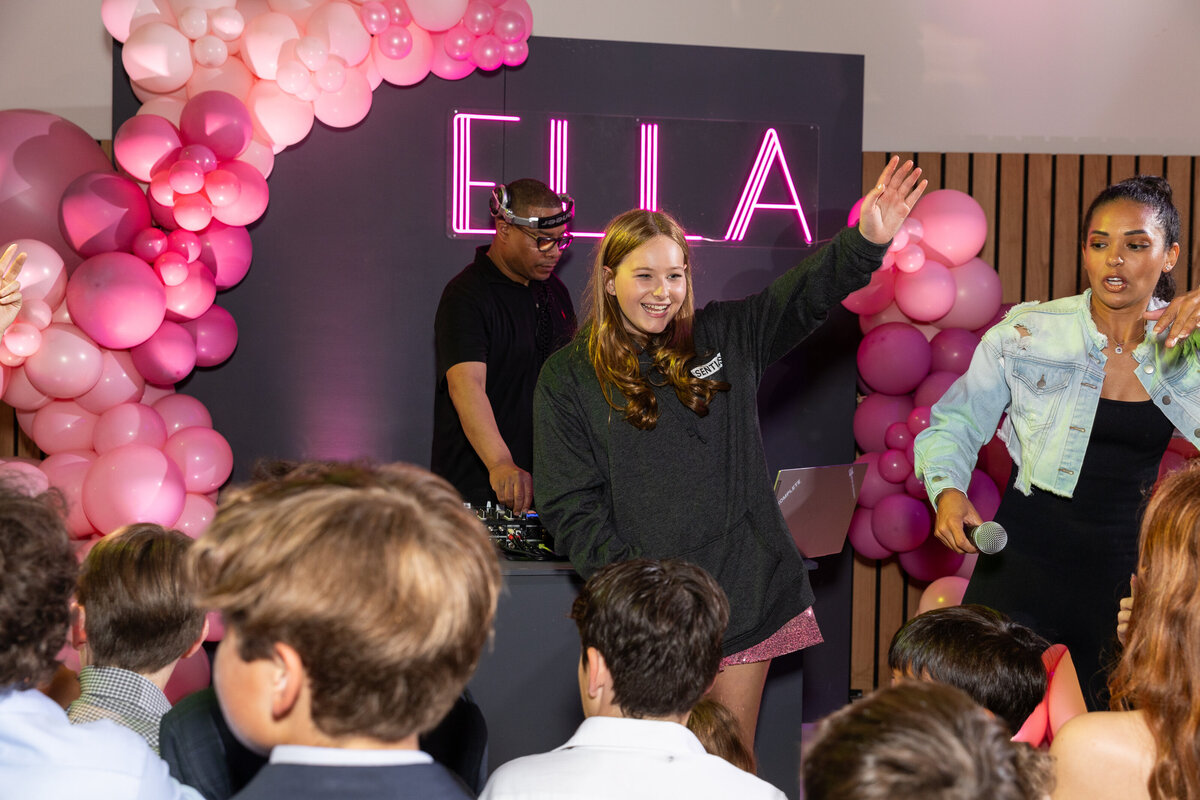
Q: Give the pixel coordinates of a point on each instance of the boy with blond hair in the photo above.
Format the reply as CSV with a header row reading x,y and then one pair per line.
x,y
356,601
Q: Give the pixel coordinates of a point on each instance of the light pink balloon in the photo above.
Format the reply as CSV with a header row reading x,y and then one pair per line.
x,y
8,359
954,226
347,106
67,364
171,268
204,457
412,67
339,24
167,357
977,296
437,15
252,200
331,77
260,156
894,358
66,472
875,296
312,52
901,523
134,483
43,277
227,23
910,258
215,333
121,16
153,393
143,143
217,120
210,51
278,116
193,296
197,515
129,423
933,387
261,40
458,41
445,67
862,539
926,294
63,425
226,250
22,339
393,43
185,177
36,313
874,414
101,212
168,107
21,394
180,411
943,592
116,299
120,382
192,212
157,57
232,76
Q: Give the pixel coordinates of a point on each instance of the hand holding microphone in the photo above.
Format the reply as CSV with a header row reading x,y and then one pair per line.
x,y
988,537
960,528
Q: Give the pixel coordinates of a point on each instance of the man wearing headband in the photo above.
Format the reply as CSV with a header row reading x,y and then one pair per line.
x,y
497,322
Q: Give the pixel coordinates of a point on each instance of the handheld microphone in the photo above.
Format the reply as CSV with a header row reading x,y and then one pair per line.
x,y
989,537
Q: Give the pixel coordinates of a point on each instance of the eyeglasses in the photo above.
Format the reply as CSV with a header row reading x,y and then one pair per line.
x,y
544,243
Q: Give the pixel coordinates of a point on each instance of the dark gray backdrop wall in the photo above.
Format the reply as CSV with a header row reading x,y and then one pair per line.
x,y
335,317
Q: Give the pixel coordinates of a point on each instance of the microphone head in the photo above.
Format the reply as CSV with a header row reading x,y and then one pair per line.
x,y
989,537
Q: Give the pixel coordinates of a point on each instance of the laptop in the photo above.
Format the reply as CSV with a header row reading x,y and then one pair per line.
x,y
817,503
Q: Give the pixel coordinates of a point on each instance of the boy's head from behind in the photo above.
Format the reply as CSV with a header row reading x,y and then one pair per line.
x,y
37,576
658,626
136,600
375,582
996,661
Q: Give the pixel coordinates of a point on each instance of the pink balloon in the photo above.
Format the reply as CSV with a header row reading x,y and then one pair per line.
x,y
191,675
231,76
897,436
875,296
341,26
157,58
458,41
192,212
251,202
984,495
968,566
901,523
185,177
942,592
918,419
197,515
169,107
914,229
375,17
119,382
510,29
521,8
226,250
977,296
209,51
167,357
515,54
487,52
862,539
117,299
874,486
261,156
953,224
204,457
216,626
926,294
180,411
933,387
952,350
930,561
36,313
894,466
222,188
479,17
144,143
900,242
873,416
995,461
437,15
191,297
67,364
43,277
63,425
855,213
279,117
134,483
66,472
395,42
910,258
914,487
148,244
445,67
348,105
331,76
121,16
413,65
262,38
40,155
869,322
22,339
129,423
102,211
227,23
185,243
894,358
21,394
215,334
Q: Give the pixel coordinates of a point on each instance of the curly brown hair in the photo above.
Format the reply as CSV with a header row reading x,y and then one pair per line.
x,y
613,350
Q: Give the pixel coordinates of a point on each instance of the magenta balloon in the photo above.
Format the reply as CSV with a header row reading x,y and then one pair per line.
x,y
515,54
40,155
101,212
894,358
167,357
977,296
873,416
201,155
197,515
203,456
67,364
874,487
926,294
129,423
952,350
983,494
148,244
219,121
116,299
191,298
181,411
930,561
954,226
933,387
875,296
942,593
901,523
21,394
226,250
66,472
861,538
185,243
894,466
914,487
897,436
251,201
63,425
134,483
216,335
918,419
145,143
119,382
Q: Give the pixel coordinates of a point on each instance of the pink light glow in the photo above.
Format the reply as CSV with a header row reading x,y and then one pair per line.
x,y
461,182
648,195
767,155
558,155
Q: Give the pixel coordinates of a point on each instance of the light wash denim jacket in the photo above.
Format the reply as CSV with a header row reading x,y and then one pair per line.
x,y
1043,366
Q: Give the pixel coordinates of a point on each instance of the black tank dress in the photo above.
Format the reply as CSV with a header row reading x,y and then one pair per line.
x,y
1068,560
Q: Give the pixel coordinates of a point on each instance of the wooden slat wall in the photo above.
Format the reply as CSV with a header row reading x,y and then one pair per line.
x,y
1034,204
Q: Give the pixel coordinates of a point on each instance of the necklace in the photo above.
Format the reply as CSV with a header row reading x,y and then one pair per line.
x,y
1119,347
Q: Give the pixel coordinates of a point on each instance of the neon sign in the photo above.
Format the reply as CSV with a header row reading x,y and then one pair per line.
x,y
733,183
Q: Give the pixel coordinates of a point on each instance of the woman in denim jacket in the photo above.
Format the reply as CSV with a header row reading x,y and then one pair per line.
x,y
1089,389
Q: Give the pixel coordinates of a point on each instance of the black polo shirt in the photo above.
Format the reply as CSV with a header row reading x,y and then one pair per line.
x,y
486,316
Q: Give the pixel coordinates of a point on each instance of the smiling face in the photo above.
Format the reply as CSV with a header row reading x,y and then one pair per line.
x,y
1124,253
650,285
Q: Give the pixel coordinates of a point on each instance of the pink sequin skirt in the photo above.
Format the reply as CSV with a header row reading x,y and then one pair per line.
x,y
796,634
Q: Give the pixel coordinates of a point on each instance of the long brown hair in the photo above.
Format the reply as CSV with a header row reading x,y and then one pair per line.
x,y
613,350
1159,671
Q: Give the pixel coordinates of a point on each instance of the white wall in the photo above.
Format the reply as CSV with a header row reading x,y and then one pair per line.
x,y
1087,76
